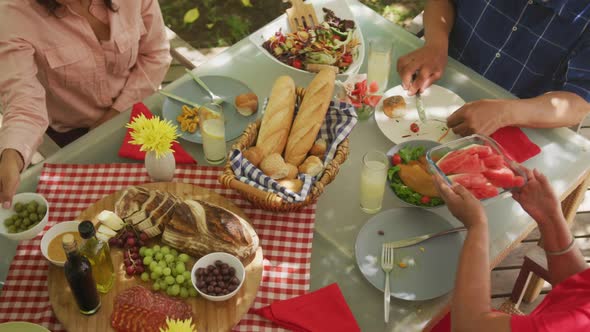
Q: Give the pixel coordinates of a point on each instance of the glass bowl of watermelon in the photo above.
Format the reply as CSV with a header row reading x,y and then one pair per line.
x,y
477,163
409,175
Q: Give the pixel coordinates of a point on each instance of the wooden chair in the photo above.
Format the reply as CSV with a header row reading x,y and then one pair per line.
x,y
534,265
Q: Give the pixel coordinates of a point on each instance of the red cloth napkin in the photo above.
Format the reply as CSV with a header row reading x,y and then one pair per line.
x,y
516,144
319,311
129,150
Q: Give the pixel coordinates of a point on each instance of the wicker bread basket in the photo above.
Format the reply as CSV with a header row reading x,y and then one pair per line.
x,y
270,201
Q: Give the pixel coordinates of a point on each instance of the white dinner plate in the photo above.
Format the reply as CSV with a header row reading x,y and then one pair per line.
x,y
431,265
438,102
21,327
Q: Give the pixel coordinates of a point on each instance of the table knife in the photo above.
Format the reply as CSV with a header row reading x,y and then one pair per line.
x,y
417,239
178,98
420,107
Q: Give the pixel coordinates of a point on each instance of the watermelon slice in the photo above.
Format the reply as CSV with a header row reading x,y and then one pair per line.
x,y
373,87
481,150
449,162
473,180
495,161
518,181
503,177
487,191
471,164
372,100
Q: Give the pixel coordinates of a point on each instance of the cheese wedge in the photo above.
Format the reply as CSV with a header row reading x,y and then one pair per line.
x,y
111,220
106,231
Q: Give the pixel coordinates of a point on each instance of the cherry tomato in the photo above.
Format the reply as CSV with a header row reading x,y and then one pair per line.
x,y
414,127
396,159
425,200
347,58
297,64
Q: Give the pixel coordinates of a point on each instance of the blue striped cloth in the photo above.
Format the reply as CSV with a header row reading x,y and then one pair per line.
x,y
340,120
529,47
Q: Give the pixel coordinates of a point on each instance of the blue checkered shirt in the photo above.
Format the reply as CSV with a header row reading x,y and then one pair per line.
x,y
527,47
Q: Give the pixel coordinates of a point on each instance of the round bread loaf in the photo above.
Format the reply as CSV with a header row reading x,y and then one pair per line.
x,y
274,166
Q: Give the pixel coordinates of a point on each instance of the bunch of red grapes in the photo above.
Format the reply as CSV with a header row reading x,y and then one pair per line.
x,y
130,242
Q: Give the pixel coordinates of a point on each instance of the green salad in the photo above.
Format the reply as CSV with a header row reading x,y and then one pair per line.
x,y
405,193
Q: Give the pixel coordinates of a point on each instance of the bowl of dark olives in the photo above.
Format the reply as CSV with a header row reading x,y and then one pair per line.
x,y
218,276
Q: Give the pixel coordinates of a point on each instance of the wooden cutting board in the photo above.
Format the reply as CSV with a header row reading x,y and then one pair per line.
x,y
207,315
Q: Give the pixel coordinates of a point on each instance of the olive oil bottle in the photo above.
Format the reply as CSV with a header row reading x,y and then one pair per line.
x,y
78,272
98,253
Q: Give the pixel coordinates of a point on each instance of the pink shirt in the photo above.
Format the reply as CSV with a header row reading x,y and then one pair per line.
x,y
54,71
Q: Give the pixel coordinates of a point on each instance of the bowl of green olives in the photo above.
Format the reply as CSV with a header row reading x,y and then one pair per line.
x,y
26,218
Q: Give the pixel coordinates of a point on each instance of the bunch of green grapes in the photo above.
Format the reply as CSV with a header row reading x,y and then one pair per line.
x,y
167,271
26,216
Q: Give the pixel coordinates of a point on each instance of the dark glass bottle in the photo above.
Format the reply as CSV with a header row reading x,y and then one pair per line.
x,y
79,275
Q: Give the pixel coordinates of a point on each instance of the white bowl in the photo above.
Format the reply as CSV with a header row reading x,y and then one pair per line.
x,y
57,229
31,232
210,259
339,7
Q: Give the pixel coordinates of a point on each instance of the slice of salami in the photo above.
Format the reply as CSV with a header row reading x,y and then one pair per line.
x,y
139,309
134,296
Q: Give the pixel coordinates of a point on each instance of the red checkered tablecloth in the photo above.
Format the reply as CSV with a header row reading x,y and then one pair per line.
x,y
286,239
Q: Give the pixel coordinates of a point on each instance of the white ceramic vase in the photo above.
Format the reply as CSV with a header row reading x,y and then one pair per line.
x,y
161,169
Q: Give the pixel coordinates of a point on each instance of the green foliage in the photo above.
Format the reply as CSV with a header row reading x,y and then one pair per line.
x,y
213,23
191,16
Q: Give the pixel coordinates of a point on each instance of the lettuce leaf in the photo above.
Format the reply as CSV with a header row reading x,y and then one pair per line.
x,y
411,153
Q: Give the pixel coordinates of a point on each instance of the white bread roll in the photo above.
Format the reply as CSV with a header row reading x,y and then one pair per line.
x,y
319,148
253,154
278,117
295,185
246,104
310,117
274,166
311,166
293,171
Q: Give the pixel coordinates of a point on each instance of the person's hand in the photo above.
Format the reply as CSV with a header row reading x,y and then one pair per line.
x,y
538,199
428,63
462,204
482,117
11,164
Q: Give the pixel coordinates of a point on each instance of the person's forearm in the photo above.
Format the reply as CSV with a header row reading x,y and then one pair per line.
x,y
439,16
471,298
556,237
551,110
13,156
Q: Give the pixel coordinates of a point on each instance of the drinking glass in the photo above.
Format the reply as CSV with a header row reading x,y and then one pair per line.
x,y
380,57
212,126
373,178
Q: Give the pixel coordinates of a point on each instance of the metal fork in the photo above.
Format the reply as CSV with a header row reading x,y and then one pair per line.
x,y
387,259
215,99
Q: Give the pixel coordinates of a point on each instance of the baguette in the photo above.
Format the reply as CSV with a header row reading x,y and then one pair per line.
x,y
278,117
310,117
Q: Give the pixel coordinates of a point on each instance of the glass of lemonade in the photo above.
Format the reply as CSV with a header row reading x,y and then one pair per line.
x,y
373,178
212,126
380,57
